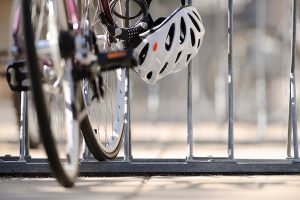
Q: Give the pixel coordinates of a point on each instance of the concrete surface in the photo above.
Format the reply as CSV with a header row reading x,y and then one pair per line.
x,y
214,187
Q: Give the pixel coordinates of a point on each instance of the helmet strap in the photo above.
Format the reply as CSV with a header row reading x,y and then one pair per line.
x,y
148,2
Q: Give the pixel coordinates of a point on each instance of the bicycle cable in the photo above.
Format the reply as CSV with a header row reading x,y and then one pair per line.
x,y
142,4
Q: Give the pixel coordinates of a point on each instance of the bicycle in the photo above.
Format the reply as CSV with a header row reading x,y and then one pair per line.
x,y
75,62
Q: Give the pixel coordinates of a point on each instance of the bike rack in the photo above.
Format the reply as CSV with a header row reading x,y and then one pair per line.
x,y
129,166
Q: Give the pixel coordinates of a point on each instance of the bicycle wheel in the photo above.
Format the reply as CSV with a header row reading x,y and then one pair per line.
x,y
54,90
103,127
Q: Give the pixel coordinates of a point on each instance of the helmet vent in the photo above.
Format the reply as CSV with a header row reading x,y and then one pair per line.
x,y
143,54
149,75
182,30
199,42
170,37
197,16
164,68
188,57
195,23
193,40
178,56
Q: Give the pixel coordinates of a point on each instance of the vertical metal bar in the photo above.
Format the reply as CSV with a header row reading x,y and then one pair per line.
x,y
290,125
24,138
290,120
27,144
190,115
127,129
292,101
230,82
190,111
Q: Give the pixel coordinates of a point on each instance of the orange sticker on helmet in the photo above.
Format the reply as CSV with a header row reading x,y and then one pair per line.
x,y
155,46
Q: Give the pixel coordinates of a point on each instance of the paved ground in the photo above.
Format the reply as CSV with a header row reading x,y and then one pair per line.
x,y
215,187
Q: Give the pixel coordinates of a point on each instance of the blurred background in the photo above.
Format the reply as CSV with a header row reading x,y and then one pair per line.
x,y
261,67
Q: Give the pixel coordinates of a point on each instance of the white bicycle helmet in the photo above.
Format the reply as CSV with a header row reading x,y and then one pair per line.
x,y
170,46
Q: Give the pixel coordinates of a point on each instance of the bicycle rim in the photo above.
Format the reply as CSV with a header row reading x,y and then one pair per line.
x,y
103,127
53,88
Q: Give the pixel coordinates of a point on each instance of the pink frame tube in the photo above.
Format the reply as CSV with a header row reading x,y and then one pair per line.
x,y
72,13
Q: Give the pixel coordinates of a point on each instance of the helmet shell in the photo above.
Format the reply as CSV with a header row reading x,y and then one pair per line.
x,y
170,46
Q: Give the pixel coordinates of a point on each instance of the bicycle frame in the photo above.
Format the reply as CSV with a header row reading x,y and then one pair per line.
x,y
16,26
45,47
72,13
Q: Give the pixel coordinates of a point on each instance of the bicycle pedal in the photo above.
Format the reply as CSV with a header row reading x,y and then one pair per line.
x,y
17,76
117,59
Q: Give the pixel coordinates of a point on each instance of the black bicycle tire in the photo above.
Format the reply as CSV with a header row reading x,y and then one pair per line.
x,y
40,103
91,141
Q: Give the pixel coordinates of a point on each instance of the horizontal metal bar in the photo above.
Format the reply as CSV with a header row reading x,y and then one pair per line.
x,y
164,167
